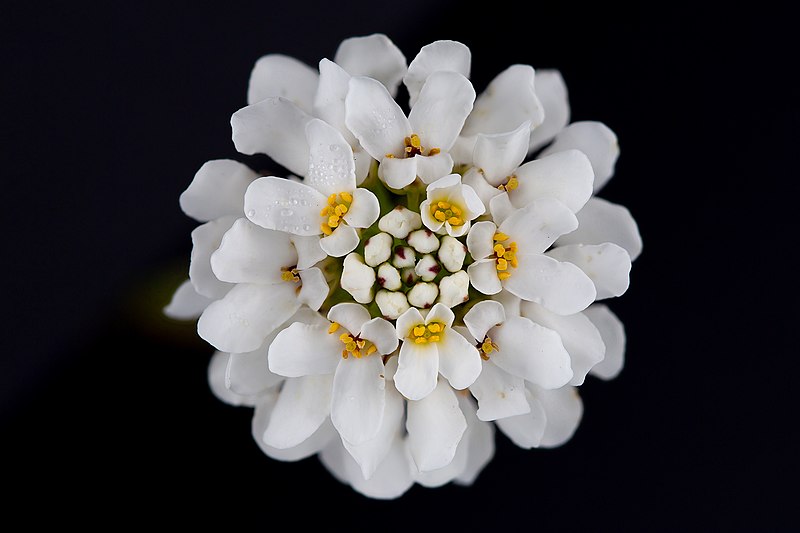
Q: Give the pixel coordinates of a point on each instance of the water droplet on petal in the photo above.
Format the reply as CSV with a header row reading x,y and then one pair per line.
x,y
334,148
306,227
286,212
251,213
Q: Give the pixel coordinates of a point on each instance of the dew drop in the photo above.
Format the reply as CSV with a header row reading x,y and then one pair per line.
x,y
251,213
306,227
334,147
286,212
295,201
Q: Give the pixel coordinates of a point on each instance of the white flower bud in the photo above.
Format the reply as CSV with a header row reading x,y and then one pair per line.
x,y
423,240
358,278
452,253
399,222
423,295
378,249
454,289
404,257
427,268
389,277
408,276
391,304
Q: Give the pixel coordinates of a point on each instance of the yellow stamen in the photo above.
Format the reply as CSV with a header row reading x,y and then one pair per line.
x,y
443,205
332,199
503,275
455,221
347,197
509,185
289,274
345,338
340,210
433,338
434,151
455,210
434,327
499,249
440,216
372,349
325,229
499,236
350,346
333,221
333,327
487,347
419,331
420,340
502,264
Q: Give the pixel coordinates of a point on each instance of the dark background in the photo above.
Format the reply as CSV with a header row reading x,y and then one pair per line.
x,y
104,406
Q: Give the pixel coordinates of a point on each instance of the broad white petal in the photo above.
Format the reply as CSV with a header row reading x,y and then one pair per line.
x,y
552,93
408,320
482,188
375,118
435,425
363,162
375,56
382,334
511,303
507,102
483,276
276,127
499,393
526,430
216,382
280,75
594,139
248,373
537,226
309,252
440,55
484,316
479,439
217,190
459,360
351,316
358,279
186,303
602,221
472,202
427,218
498,155
252,254
397,172
440,313
500,207
462,150
303,350
364,210
533,352
444,103
246,315
313,288
432,167
341,242
480,241
566,176
331,168
564,410
562,288
303,405
284,205
205,240
358,398
613,333
417,370
607,265
312,445
580,337
334,82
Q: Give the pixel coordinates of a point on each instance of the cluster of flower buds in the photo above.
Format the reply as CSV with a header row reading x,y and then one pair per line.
x,y
415,280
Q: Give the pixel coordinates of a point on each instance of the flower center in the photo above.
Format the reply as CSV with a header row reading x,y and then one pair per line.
x,y
413,146
290,274
425,333
511,184
505,255
353,345
338,205
486,347
447,212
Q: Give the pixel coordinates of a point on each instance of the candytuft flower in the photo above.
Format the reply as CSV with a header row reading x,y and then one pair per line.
x,y
421,278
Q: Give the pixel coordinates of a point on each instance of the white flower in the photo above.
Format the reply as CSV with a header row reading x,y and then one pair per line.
x,y
552,420
430,346
358,279
512,257
327,203
450,206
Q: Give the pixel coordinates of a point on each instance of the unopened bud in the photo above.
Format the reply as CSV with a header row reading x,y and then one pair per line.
x,y
391,304
423,295
452,253
427,268
378,249
389,277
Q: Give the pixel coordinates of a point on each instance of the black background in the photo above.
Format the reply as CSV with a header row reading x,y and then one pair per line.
x,y
104,406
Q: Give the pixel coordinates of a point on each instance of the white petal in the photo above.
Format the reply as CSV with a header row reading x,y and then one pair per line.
x,y
462,150
499,393
351,316
341,242
511,303
417,369
186,303
444,103
375,56
309,252
313,288
526,430
498,155
334,82
331,168
358,398
302,350
303,405
552,93
358,279
397,172
217,190
427,218
564,410
440,55
607,265
484,316
248,373
613,333
594,139
472,202
252,254
276,127
363,162
205,240
480,241
432,167
446,474
435,425
482,188
533,352
284,205
280,75
375,118
566,176
459,360
382,334
562,288
452,253
440,313
507,102
483,276
602,221
312,445
246,315
364,210
216,382
500,207
479,439
536,227
406,321
580,337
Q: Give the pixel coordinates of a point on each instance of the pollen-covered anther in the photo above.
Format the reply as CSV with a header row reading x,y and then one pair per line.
x,y
505,255
425,333
509,185
447,212
290,274
353,345
338,206
486,347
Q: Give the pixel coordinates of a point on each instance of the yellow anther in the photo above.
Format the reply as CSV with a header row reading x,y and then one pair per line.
x,y
357,354
434,151
503,275
361,343
286,276
443,205
440,216
344,354
455,221
332,199
340,210
290,274
325,211
434,338
487,347
420,340
499,250
455,210
512,184
419,331
500,236
502,264
434,327
333,327
390,156
514,262
512,247
372,349
415,141
325,229
346,196
350,346
345,338
333,221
